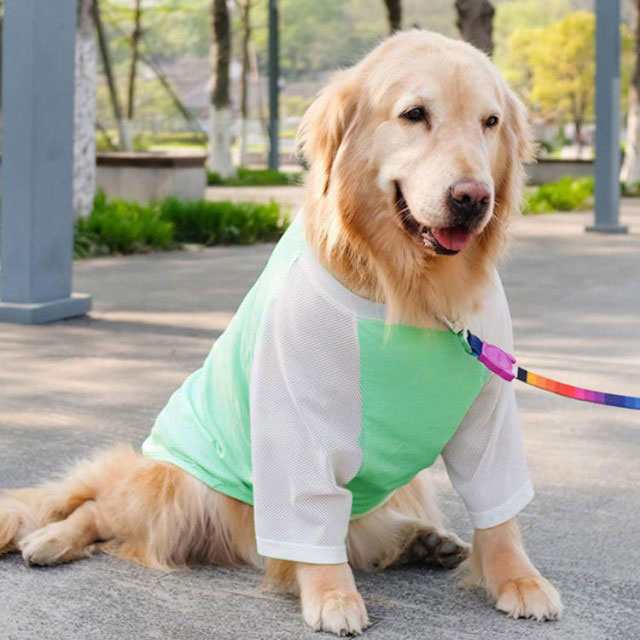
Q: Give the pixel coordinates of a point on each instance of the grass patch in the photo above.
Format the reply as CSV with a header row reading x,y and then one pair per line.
x,y
566,194
254,178
119,227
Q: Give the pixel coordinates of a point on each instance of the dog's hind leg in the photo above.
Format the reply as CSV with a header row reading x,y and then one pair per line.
x,y
139,509
67,540
23,511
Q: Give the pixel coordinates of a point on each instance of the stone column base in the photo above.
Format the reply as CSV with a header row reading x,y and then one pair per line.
x,y
41,312
615,229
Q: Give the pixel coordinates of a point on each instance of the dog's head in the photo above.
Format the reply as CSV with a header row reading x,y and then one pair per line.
x,y
416,158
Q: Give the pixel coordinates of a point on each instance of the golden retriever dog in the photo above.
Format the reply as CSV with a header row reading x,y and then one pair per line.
x,y
415,158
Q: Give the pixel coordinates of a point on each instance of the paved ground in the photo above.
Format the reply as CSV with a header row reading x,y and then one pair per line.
x,y
68,388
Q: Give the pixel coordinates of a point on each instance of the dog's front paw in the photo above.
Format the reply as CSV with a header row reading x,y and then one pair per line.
x,y
339,612
436,548
530,597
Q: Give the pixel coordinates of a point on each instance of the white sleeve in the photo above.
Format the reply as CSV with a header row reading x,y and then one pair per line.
x,y
485,459
305,426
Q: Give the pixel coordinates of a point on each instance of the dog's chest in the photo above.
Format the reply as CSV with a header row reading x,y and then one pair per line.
x,y
416,386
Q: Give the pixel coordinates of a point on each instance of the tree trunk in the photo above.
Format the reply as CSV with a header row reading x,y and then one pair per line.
x,y
171,92
258,84
475,23
136,36
394,14
245,16
220,133
630,173
578,137
105,54
84,162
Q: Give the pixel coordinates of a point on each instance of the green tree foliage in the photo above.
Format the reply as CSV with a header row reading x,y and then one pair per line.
x,y
554,64
512,23
173,28
316,36
562,61
321,36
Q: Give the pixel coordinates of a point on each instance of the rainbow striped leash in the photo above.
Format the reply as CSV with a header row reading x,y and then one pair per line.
x,y
503,364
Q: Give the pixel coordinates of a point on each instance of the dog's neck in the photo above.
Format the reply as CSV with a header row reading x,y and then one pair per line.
x,y
417,289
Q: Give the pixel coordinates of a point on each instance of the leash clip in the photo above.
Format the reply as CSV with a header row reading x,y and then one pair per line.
x,y
498,361
491,356
494,358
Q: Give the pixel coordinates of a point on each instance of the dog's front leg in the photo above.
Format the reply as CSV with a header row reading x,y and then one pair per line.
x,y
500,563
330,599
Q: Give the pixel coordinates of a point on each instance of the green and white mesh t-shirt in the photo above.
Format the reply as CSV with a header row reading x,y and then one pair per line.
x,y
313,410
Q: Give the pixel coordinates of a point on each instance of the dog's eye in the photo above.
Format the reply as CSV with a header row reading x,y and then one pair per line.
x,y
491,122
415,114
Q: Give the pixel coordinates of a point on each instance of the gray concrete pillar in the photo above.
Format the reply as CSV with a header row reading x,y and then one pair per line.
x,y
36,249
607,118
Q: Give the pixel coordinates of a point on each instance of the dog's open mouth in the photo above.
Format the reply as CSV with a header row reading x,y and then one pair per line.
x,y
445,241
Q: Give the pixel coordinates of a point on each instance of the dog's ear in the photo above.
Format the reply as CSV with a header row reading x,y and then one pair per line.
x,y
518,148
325,125
518,128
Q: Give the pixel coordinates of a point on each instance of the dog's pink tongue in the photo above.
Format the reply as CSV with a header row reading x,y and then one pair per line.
x,y
452,238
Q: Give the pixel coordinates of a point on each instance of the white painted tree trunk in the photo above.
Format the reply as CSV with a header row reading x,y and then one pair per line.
x,y
244,142
128,133
84,168
220,142
630,173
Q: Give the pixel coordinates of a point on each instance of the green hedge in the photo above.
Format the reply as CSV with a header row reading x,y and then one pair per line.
x,y
567,194
212,223
254,178
119,227
122,227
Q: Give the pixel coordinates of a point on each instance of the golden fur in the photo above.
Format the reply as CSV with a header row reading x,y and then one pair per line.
x,y
155,514
350,214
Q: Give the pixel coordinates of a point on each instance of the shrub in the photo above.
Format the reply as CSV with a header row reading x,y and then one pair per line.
x,y
212,223
121,227
254,178
567,194
630,190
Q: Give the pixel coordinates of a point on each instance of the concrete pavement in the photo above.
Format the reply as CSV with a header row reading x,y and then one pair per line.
x,y
68,388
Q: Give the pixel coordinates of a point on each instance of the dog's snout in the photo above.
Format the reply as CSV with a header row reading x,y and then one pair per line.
x,y
469,198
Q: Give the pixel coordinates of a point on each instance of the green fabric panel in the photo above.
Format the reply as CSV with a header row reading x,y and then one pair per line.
x,y
416,387
205,427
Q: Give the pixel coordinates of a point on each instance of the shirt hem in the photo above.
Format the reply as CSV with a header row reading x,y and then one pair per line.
x,y
507,510
301,552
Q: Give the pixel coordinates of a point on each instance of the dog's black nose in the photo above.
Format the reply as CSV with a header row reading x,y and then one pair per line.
x,y
468,199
